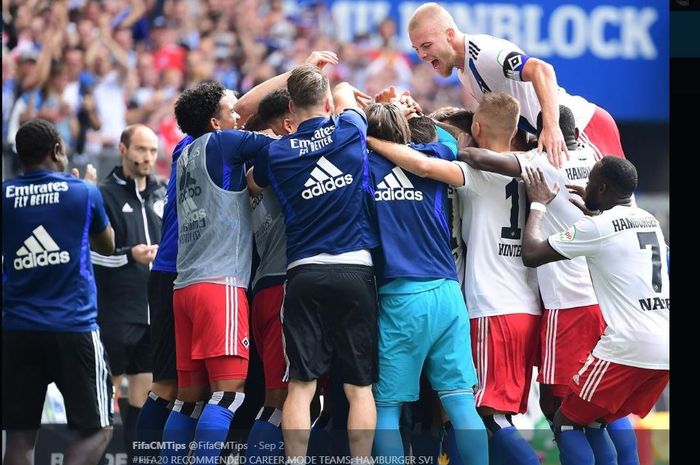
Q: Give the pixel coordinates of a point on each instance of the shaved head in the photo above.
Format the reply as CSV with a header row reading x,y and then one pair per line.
x,y
431,15
436,39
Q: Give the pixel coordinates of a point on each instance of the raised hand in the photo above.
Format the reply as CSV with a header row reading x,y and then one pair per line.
x,y
577,198
362,99
406,99
90,173
386,95
322,58
552,140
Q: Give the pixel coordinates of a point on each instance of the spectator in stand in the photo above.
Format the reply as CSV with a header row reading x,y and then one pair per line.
x,y
110,64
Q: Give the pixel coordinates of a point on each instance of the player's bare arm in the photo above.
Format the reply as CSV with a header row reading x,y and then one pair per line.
x,y
103,242
346,96
253,188
487,160
417,163
536,250
544,80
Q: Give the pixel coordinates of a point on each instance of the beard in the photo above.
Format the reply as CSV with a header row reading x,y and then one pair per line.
x,y
443,69
591,203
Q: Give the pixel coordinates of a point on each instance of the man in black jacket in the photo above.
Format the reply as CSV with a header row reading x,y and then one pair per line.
x,y
134,203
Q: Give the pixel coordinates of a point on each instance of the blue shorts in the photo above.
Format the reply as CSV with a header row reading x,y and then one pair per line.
x,y
428,325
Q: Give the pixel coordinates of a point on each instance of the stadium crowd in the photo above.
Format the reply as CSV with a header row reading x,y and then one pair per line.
x,y
92,67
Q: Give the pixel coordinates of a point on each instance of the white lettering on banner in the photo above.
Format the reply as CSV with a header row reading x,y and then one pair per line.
x,y
531,42
559,22
606,31
354,18
599,17
635,32
505,22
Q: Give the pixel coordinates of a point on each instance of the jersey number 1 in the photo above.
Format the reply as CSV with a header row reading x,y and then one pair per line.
x,y
513,232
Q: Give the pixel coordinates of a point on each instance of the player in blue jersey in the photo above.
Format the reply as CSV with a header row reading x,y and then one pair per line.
x,y
422,315
213,270
502,296
320,175
49,323
208,102
204,108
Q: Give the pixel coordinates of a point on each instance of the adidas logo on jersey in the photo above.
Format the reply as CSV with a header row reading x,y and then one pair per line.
x,y
324,178
397,186
39,249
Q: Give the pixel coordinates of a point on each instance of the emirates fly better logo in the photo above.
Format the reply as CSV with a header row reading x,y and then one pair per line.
x,y
39,249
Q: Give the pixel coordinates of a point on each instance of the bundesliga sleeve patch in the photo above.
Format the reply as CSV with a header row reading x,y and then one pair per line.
x,y
568,235
513,64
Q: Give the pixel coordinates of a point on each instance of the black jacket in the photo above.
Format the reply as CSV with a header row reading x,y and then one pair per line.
x,y
122,283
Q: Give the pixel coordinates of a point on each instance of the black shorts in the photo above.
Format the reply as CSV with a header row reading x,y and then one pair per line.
x,y
160,300
330,312
76,362
128,347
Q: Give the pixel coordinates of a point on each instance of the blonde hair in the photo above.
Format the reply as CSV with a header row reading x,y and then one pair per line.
x,y
498,115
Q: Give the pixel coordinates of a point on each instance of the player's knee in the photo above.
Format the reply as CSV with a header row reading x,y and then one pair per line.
x,y
358,393
275,397
549,403
165,389
496,422
228,385
101,435
466,392
562,423
598,424
301,389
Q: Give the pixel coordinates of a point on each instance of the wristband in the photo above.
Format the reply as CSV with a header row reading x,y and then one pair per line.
x,y
538,206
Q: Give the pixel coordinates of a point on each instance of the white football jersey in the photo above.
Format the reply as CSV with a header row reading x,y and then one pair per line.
x,y
493,220
495,65
626,255
566,283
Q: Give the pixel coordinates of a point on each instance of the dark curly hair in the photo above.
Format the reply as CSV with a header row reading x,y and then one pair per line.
x,y
619,174
35,140
274,105
197,105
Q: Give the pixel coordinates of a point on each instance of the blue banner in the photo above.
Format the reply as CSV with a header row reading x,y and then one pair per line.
x,y
612,52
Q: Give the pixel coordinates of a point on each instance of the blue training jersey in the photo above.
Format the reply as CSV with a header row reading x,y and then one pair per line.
x,y
166,257
47,278
320,175
412,214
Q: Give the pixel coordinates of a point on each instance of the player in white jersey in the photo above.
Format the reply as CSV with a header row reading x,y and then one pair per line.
x,y
572,322
629,367
489,64
501,293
